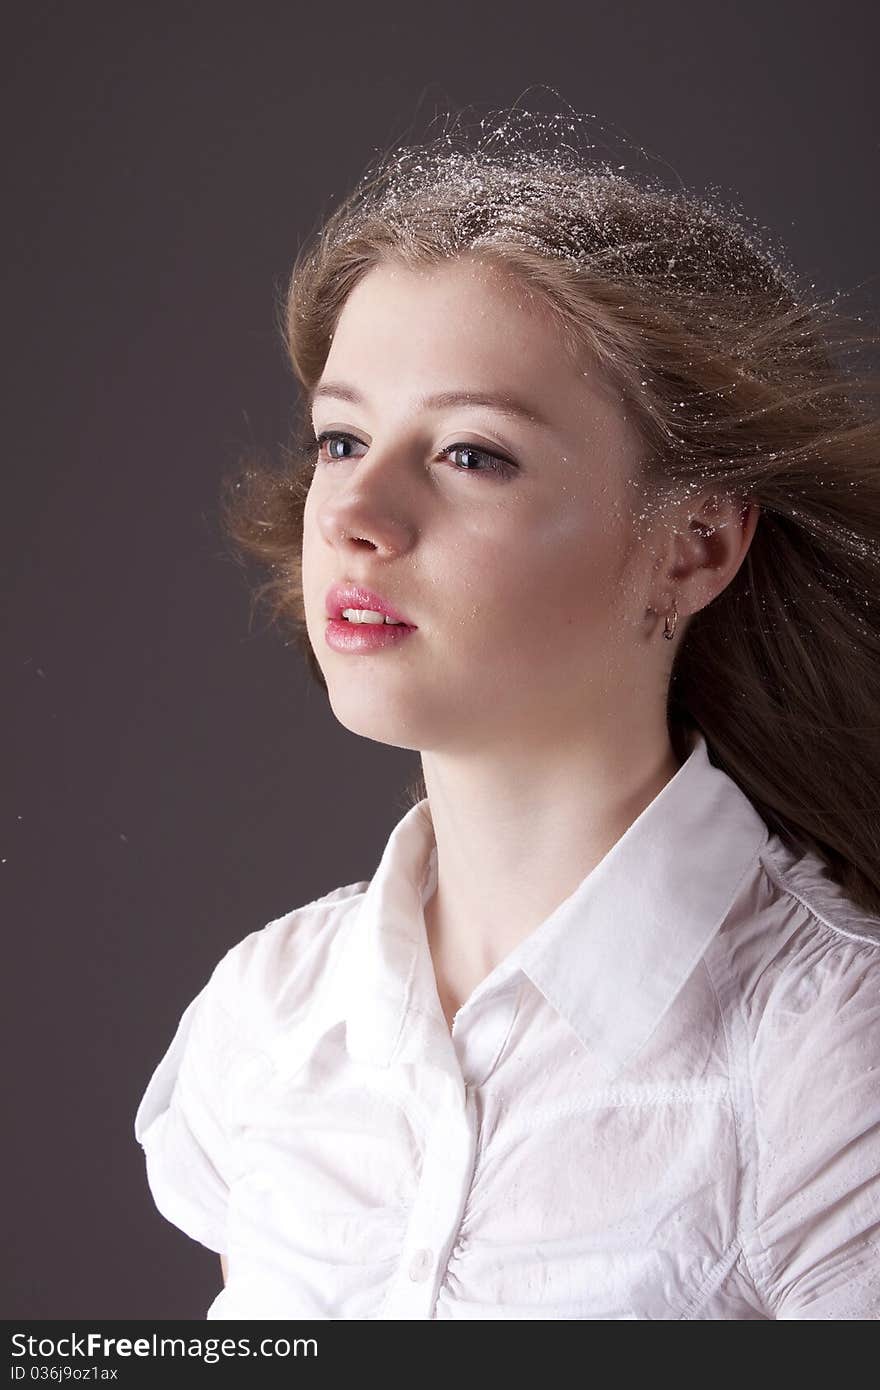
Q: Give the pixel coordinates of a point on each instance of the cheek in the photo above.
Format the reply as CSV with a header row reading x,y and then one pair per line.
x,y
314,573
549,569
311,539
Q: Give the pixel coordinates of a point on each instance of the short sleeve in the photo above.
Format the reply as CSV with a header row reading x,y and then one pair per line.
x,y
815,1251
180,1122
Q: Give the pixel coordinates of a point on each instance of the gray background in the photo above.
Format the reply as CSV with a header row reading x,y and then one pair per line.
x,y
173,779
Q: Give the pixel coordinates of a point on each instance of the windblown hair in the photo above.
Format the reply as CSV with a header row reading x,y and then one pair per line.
x,y
737,378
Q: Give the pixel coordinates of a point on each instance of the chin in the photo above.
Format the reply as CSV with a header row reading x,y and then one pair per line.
x,y
373,717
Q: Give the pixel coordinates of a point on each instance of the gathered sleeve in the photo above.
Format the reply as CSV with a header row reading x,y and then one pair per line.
x,y
181,1121
815,1247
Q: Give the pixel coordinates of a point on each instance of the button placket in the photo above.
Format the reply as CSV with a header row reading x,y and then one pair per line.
x,y
420,1265
483,1028
445,1182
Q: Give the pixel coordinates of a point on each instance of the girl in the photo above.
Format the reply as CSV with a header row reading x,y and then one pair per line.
x,y
584,506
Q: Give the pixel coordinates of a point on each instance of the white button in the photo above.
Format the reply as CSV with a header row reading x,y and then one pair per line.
x,y
420,1265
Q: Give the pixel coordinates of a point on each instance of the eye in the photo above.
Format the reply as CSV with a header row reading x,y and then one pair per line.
x,y
485,462
492,463
331,437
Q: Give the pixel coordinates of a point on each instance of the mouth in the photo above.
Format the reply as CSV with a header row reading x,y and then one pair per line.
x,y
369,615
360,607
369,634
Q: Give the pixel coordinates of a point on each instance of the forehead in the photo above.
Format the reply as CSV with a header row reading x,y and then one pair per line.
x,y
464,325
461,301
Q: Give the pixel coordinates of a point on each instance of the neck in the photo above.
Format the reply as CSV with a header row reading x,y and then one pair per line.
x,y
516,837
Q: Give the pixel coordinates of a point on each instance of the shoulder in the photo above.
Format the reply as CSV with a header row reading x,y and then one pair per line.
x,y
808,990
797,970
277,968
804,878
796,943
809,993
261,988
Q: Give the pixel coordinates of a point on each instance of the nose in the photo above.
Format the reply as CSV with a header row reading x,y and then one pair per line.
x,y
371,506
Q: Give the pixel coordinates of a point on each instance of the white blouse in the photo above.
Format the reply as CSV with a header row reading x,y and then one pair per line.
x,y
663,1103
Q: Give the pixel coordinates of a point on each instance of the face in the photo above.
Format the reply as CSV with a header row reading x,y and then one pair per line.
x,y
508,540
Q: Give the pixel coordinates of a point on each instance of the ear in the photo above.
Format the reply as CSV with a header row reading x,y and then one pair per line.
x,y
707,545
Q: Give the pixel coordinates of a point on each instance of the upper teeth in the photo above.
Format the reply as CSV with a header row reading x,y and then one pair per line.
x,y
366,615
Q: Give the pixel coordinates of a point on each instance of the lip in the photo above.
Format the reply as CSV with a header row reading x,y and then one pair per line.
x,y
343,636
340,596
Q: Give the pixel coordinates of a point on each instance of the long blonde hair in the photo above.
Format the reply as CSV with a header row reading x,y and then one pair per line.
x,y
737,378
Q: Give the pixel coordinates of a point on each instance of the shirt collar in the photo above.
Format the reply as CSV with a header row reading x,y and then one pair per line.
x,y
633,930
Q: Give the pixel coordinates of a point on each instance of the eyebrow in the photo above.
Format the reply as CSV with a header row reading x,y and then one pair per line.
x,y
502,401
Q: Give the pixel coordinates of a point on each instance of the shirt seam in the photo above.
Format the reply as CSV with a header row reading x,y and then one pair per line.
x,y
733,1072
713,1281
230,1046
777,875
761,1283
